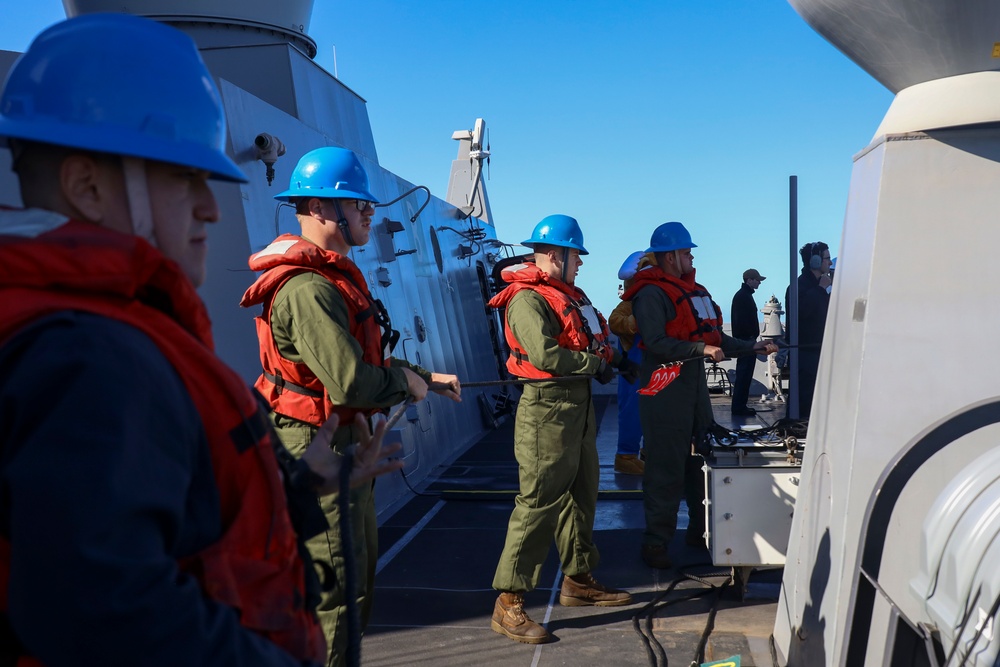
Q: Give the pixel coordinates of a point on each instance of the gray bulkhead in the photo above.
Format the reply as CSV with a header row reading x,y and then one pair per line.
x,y
896,533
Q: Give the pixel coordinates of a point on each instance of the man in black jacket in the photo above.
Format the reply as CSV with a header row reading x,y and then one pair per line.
x,y
746,326
814,299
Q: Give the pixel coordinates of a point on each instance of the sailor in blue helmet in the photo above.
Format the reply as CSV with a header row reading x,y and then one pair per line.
x,y
629,458
677,319
553,331
142,514
325,346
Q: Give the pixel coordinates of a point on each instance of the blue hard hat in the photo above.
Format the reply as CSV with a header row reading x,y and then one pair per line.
x,y
328,173
631,265
558,230
118,84
670,236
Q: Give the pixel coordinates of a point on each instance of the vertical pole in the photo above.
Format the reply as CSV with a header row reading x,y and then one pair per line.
x,y
792,307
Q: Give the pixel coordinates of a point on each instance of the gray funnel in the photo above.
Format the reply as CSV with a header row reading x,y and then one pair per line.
x,y
940,57
905,42
218,23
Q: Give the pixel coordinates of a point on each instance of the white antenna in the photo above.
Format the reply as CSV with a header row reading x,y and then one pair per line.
x,y
335,62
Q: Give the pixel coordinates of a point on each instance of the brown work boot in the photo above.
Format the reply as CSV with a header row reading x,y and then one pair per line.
x,y
655,556
582,590
629,464
509,619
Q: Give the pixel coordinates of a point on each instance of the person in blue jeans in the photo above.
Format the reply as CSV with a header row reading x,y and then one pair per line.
x,y
628,459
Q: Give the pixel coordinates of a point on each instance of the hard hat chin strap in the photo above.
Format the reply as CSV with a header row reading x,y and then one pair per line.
x,y
16,151
565,265
343,224
677,263
137,191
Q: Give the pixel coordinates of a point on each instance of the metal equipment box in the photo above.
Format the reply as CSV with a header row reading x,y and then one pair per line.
x,y
750,497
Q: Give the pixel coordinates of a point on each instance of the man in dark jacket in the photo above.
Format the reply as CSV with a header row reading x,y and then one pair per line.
x,y
746,326
814,299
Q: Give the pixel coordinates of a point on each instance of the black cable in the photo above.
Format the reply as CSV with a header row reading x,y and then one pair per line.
x,y
699,655
497,383
650,656
350,565
353,612
408,192
654,606
649,640
277,209
966,616
979,632
395,417
468,236
695,594
659,647
779,430
433,494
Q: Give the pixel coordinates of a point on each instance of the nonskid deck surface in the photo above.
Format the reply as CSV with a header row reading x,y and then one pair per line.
x,y
438,553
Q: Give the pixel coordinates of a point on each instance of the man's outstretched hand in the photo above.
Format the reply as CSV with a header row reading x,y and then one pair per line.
x,y
370,455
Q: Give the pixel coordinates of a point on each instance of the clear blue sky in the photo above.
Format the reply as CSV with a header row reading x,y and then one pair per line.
x,y
623,116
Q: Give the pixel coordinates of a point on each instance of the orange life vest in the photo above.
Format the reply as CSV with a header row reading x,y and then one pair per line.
x,y
568,304
292,388
698,317
255,567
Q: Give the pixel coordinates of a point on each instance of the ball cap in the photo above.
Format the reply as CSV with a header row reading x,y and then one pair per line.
x,y
752,274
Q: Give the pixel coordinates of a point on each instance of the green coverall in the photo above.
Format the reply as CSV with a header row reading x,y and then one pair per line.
x,y
672,418
309,321
555,444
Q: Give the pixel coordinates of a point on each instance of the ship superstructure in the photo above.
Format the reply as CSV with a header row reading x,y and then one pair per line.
x,y
896,535
429,260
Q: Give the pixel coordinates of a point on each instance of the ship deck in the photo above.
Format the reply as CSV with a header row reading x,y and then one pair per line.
x,y
438,552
